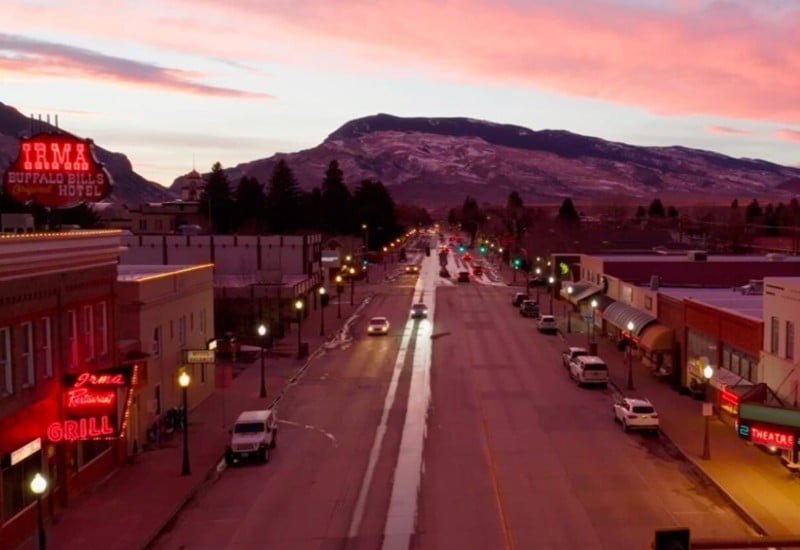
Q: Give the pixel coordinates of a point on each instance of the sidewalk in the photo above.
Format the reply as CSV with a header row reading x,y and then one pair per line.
x,y
763,491
130,508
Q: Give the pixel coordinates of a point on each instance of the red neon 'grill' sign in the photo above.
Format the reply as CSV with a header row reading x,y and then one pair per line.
x,y
772,438
84,428
57,171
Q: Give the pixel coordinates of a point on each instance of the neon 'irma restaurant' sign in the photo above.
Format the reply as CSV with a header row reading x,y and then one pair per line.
x,y
92,404
769,436
57,171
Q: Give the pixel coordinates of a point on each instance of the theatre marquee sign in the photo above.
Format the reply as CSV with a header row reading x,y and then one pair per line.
x,y
56,171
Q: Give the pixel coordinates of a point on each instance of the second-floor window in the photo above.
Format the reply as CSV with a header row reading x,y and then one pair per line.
x,y
72,338
45,358
28,363
102,327
88,333
6,370
774,326
789,340
157,341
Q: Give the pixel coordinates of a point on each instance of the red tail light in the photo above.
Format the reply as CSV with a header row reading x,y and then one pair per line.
x,y
632,416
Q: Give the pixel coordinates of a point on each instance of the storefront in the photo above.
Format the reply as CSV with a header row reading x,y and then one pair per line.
x,y
657,343
774,428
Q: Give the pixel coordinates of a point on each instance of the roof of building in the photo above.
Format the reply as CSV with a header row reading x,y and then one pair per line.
x,y
684,257
129,272
722,298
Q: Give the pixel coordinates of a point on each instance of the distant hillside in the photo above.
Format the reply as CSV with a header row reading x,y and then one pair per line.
x,y
438,161
129,187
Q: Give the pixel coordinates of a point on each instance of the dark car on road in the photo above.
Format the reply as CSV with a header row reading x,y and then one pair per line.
x,y
529,308
463,277
518,298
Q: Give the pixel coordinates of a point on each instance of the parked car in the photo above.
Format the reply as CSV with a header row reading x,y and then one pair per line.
x,y
589,369
516,301
253,435
547,324
419,311
635,413
529,308
572,353
537,281
463,277
477,270
378,325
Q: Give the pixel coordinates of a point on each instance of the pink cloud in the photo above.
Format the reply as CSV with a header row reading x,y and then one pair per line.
x,y
34,58
788,134
729,59
727,130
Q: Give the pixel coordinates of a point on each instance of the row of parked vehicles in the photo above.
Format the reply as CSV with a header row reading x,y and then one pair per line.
x,y
530,308
587,369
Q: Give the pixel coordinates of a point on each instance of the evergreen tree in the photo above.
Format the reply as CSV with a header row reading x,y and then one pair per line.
x,y
216,203
283,200
250,205
515,216
336,206
753,212
567,214
640,213
672,212
373,206
312,210
471,218
656,209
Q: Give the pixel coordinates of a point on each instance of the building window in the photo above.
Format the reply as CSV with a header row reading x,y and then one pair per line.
x,y
6,370
88,333
28,362
182,330
90,449
789,340
72,338
157,341
773,336
46,349
191,321
103,328
16,480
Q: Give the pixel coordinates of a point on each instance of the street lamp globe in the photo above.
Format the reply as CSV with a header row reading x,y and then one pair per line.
x,y
630,326
184,379
38,484
352,271
594,304
262,330
708,372
551,280
298,305
570,289
321,290
338,279
538,269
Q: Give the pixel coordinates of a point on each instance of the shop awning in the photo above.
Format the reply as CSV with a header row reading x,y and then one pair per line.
x,y
603,302
585,294
657,337
577,288
619,314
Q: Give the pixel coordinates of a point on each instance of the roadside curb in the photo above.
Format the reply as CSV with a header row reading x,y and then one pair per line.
x,y
698,468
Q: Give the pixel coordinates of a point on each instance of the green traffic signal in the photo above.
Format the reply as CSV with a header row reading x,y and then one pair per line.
x,y
483,249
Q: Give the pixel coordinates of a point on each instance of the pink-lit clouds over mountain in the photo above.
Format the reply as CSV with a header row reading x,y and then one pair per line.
x,y
174,83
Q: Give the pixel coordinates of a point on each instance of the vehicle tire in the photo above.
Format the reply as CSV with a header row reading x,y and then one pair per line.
x,y
228,459
265,454
625,426
274,441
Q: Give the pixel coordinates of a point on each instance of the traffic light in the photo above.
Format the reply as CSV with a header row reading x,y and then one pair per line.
x,y
461,248
517,263
482,249
365,262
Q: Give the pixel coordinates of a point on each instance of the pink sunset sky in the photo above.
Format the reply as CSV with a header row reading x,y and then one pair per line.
x,y
177,84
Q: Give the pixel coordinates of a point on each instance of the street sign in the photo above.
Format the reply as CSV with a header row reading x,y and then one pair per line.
x,y
200,356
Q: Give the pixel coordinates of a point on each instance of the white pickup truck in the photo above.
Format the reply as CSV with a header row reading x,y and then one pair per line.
x,y
569,355
253,435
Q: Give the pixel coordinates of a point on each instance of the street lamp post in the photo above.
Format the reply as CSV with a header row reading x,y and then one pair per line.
x,y
630,354
550,290
365,227
568,309
352,283
38,487
538,273
183,381
590,329
339,296
262,333
708,372
321,311
298,306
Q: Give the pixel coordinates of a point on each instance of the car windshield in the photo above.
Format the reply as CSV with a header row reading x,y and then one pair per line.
x,y
248,428
377,321
420,306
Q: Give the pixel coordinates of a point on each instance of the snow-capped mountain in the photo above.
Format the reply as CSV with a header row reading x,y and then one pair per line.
x,y
436,161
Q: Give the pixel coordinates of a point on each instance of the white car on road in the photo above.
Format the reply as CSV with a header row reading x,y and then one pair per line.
x,y
636,414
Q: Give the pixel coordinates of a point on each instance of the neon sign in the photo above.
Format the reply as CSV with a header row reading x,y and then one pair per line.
x,y
768,436
84,428
84,397
56,171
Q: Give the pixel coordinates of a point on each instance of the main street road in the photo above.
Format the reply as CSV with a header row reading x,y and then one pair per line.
x,y
514,456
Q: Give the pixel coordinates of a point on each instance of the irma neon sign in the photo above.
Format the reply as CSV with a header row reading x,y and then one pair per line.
x,y
57,171
91,405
